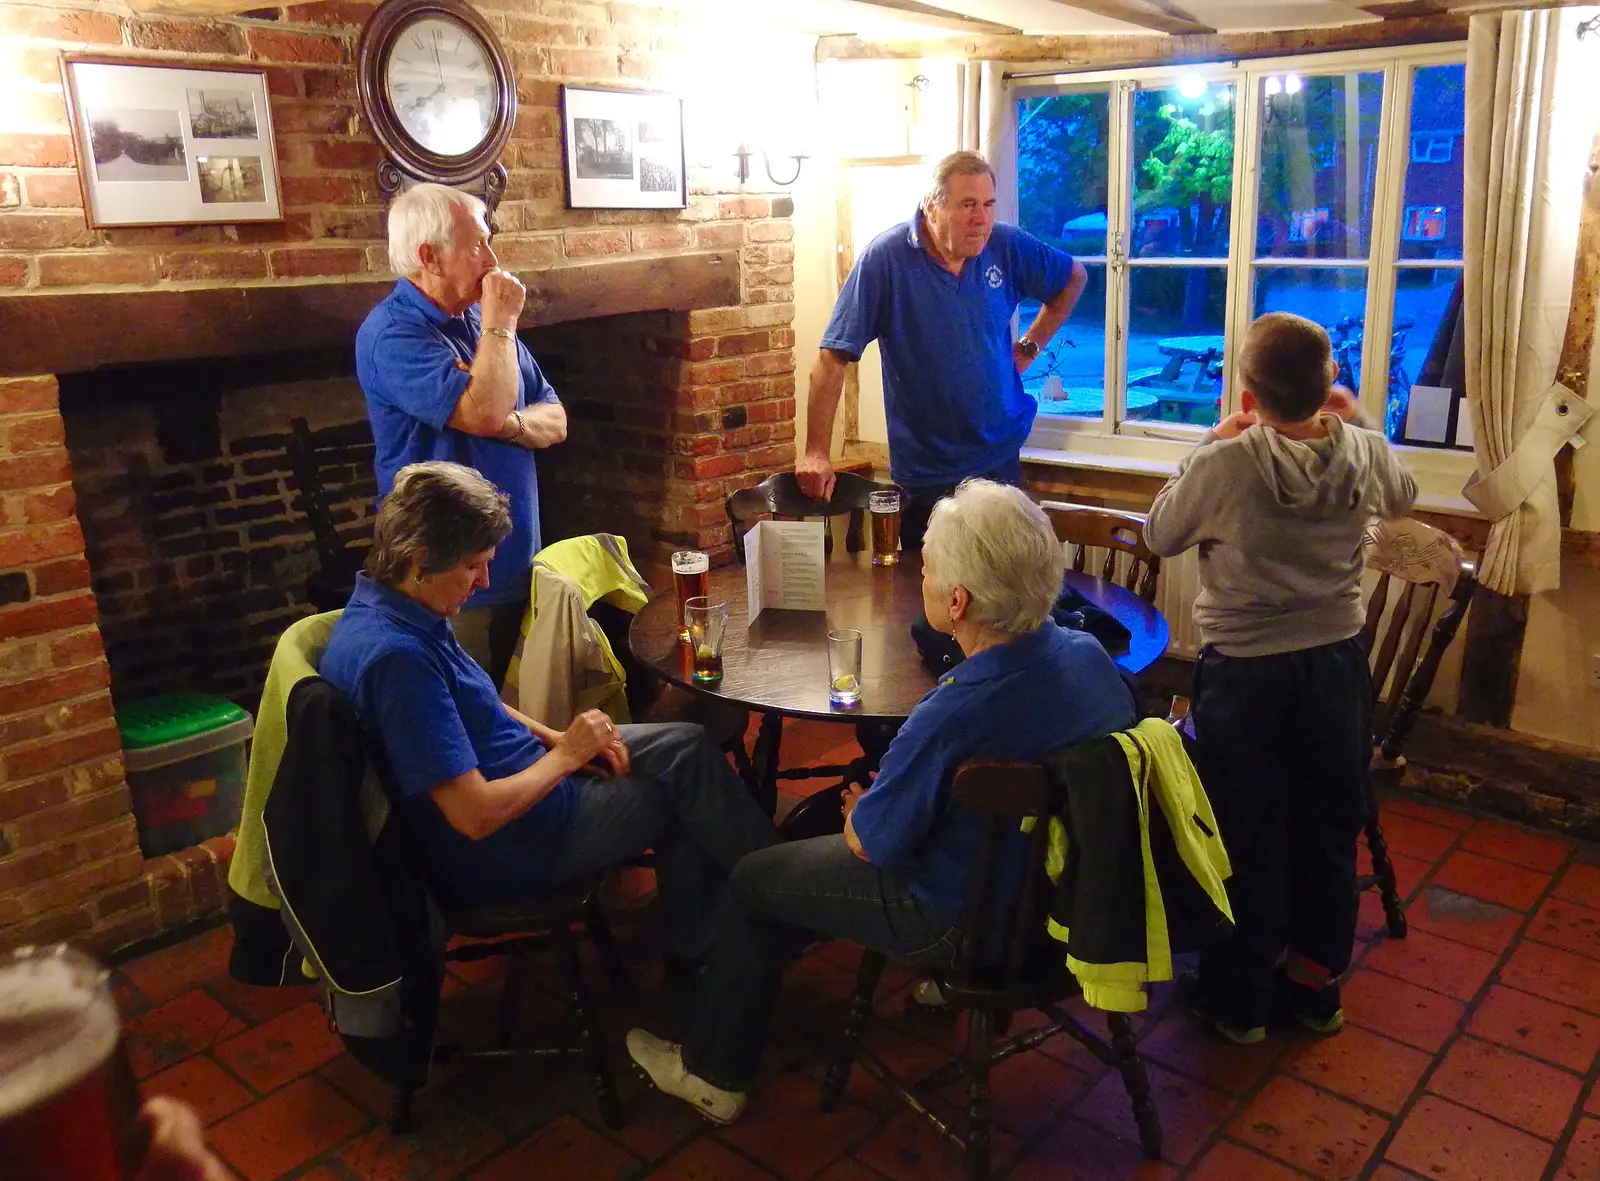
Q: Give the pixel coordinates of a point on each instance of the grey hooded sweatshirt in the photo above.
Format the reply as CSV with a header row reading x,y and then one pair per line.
x,y
1279,526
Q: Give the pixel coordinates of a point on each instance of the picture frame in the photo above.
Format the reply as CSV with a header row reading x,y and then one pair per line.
x,y
623,149
165,144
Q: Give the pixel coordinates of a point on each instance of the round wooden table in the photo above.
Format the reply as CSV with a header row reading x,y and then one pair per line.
x,y
778,664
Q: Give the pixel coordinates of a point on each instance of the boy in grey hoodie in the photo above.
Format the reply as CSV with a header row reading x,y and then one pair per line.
x,y
1277,497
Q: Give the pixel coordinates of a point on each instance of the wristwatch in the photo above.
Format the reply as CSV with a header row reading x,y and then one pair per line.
x,y
1028,346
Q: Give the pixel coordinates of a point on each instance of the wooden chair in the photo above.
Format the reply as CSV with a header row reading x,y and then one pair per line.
x,y
1422,564
1120,534
779,496
1005,964
313,466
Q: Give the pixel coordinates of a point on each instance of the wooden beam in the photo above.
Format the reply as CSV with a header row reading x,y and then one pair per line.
x,y
1162,18
70,333
1119,50
943,17
1572,369
1399,9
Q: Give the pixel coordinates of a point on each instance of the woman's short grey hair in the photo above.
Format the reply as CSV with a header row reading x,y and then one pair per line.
x,y
955,164
435,517
993,540
421,216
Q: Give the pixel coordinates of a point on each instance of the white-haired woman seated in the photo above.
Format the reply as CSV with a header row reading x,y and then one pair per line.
x,y
897,880
501,805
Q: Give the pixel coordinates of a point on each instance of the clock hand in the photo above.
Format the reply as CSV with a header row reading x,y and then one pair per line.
x,y
438,67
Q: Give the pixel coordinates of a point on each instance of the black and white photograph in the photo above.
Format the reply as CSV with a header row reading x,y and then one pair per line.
x,y
169,144
602,149
623,149
135,145
230,179
222,114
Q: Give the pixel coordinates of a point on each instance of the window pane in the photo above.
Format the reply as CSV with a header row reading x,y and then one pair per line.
x,y
1175,345
1319,162
1075,359
1061,169
1335,297
1427,372
1182,171
1432,212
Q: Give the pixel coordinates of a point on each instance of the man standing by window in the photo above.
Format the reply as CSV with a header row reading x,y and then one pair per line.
x,y
938,293
446,378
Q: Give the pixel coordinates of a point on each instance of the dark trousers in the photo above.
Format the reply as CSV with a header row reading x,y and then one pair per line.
x,y
779,897
917,502
1284,743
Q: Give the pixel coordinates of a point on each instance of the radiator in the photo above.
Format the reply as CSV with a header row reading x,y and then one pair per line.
x,y
1175,592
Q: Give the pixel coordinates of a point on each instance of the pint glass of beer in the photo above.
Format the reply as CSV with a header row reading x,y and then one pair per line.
x,y
690,569
884,508
708,623
66,1095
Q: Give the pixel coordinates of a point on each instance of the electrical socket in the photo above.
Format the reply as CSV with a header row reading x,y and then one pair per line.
x,y
1594,670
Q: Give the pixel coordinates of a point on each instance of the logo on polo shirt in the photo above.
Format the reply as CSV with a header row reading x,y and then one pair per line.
x,y
995,276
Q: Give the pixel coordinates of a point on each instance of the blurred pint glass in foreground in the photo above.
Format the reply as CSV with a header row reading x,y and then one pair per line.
x,y
690,570
884,508
708,622
67,1098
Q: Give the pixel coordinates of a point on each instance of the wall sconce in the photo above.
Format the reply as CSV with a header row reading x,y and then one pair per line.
x,y
743,152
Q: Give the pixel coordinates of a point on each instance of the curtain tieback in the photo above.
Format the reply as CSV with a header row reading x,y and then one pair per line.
x,y
1499,494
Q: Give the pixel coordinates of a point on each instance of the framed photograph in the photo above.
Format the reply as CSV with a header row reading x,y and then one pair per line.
x,y
623,149
162,144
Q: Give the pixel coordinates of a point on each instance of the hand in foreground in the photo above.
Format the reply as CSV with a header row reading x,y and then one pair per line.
x,y
177,1150
1343,403
592,735
850,798
1234,425
814,473
501,303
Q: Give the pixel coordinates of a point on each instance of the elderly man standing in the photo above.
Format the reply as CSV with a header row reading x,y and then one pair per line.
x,y
445,377
938,293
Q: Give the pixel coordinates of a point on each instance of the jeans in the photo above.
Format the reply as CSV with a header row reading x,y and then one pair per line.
x,y
780,896
917,502
683,800
1284,743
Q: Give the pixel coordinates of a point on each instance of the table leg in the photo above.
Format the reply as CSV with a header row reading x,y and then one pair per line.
x,y
874,738
765,759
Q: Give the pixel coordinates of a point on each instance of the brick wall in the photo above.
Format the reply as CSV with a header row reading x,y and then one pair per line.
x,y
707,402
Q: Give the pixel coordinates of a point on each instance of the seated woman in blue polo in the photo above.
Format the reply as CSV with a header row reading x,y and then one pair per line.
x,y
501,805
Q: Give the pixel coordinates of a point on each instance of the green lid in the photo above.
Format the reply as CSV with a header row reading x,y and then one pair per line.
x,y
173,716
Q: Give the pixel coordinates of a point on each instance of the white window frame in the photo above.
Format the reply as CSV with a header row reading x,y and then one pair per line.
x,y
1430,144
1119,444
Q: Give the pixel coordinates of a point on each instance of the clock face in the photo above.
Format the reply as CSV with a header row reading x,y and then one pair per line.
x,y
442,85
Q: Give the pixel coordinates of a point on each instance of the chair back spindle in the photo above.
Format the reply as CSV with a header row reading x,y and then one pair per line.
x,y
1081,528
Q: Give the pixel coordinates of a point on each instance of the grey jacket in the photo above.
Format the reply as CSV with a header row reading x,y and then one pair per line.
x,y
1279,526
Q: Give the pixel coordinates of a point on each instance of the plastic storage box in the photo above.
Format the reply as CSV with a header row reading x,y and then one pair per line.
x,y
186,754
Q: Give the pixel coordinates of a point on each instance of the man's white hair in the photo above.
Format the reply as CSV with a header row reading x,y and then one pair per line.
x,y
421,216
993,540
962,163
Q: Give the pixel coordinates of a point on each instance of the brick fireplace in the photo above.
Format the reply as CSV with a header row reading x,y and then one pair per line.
x,y
149,535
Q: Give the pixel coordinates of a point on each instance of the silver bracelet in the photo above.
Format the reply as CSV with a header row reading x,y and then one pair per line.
x,y
505,332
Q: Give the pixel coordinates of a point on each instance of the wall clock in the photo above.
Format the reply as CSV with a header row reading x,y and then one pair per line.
x,y
435,84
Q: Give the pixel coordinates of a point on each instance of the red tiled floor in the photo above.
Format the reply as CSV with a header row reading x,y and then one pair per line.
x,y
1446,1142
1409,872
284,1048
455,1141
1416,838
1582,1159
1077,1152
1472,921
1491,880
907,1149
1518,845
169,973
200,1082
1189,1112
702,1160
566,1147
169,1033
1309,1129
1359,1065
785,1129
1026,1092
1405,805
1415,1016
1555,975
1425,959
1229,1162
285,1130
1581,883
1191,1048
1568,925
1512,1087
1539,1027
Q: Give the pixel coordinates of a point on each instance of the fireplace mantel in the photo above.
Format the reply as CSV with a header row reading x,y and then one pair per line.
x,y
74,332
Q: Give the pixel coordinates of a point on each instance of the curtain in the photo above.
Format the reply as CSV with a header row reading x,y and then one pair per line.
x,y
988,127
1523,182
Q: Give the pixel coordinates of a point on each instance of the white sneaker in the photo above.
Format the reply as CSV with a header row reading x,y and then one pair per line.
x,y
663,1062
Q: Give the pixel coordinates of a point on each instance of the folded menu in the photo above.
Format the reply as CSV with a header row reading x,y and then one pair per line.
x,y
783,566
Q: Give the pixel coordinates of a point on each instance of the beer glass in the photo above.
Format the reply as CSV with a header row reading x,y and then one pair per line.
x,y
708,623
884,508
690,569
67,1098
844,666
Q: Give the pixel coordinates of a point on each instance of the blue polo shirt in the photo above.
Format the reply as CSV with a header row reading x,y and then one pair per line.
x,y
1018,700
414,362
437,715
952,394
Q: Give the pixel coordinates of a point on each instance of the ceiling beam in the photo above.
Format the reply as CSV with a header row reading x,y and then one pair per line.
x,y
1400,9
1145,14
943,17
